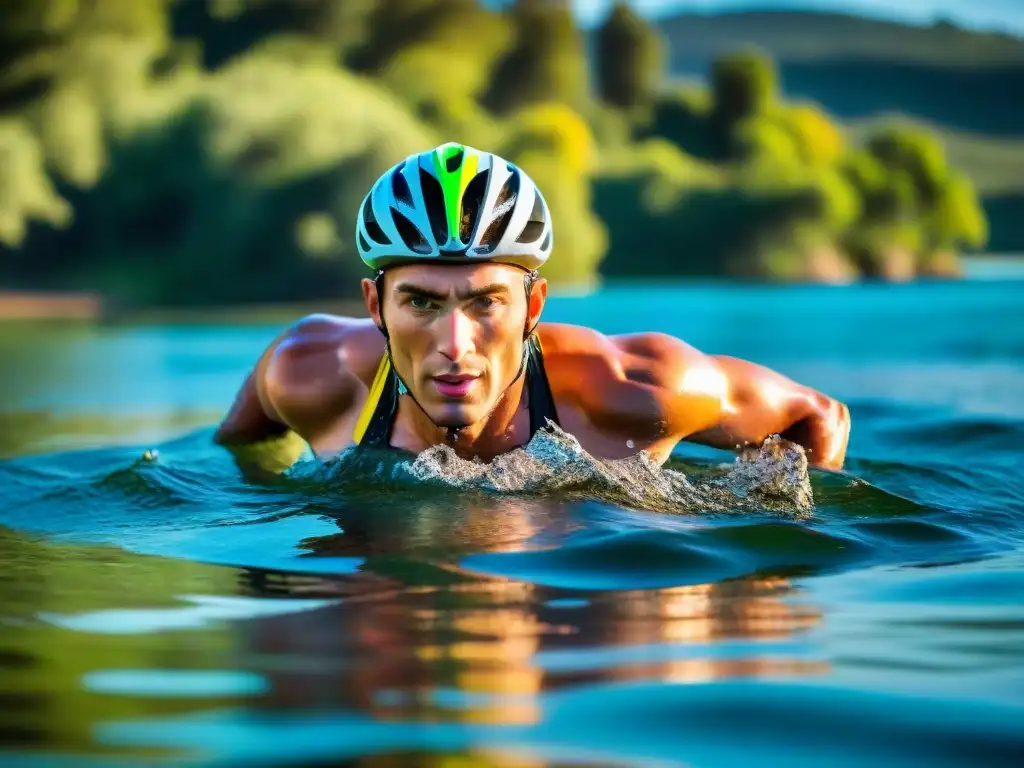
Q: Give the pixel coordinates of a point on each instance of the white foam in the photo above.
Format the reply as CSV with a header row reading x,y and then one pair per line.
x,y
773,476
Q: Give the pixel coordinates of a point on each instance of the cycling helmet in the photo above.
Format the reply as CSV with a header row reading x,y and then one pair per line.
x,y
455,204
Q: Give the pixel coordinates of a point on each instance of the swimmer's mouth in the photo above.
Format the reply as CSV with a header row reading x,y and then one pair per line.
x,y
455,385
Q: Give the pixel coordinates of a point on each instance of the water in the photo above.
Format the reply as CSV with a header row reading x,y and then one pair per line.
x,y
161,603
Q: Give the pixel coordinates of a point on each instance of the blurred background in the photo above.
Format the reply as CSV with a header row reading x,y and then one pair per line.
x,y
201,153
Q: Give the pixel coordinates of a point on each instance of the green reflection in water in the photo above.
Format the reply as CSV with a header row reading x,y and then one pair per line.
x,y
42,666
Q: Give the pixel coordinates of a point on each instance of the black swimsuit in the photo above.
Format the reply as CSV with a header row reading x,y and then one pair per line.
x,y
373,429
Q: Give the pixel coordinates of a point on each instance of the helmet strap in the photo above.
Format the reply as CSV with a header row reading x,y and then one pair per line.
x,y
528,281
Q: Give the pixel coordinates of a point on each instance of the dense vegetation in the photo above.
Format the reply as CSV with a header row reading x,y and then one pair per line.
x,y
968,85
205,151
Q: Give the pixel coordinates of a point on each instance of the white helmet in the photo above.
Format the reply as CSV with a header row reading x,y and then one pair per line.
x,y
454,204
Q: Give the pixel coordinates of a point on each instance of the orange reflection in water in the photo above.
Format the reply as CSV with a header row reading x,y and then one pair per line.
x,y
414,637
474,652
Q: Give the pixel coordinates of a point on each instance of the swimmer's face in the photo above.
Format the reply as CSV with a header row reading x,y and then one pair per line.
x,y
456,333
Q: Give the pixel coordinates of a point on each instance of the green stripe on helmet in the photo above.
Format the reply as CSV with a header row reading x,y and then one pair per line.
x,y
455,168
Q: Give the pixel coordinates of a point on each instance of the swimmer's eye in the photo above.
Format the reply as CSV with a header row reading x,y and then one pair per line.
x,y
421,303
485,303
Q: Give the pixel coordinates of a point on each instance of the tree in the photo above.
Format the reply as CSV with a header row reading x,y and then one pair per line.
x,y
916,153
546,62
555,147
228,28
630,58
683,117
744,84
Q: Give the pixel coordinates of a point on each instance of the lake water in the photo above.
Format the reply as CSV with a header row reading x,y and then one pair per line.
x,y
177,608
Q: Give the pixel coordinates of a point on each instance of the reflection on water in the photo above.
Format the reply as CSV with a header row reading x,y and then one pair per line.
x,y
43,703
86,639
164,601
483,652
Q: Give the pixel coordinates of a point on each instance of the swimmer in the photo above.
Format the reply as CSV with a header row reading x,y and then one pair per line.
x,y
454,350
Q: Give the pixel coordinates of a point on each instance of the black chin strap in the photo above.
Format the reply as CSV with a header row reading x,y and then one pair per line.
x,y
452,433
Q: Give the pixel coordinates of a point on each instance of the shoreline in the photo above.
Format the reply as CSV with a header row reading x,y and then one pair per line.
x,y
50,305
92,308
89,308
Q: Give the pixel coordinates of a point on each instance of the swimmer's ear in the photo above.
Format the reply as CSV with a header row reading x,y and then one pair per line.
x,y
374,303
538,294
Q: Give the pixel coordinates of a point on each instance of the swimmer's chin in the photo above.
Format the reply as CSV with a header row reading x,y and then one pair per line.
x,y
454,417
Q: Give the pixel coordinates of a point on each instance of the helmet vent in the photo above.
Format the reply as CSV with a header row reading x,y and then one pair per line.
x,y
472,202
535,226
503,209
400,187
372,227
452,163
362,242
433,196
547,242
411,236
531,232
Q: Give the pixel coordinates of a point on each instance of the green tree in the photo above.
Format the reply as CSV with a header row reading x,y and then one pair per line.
x,y
630,59
441,76
69,69
249,192
916,153
546,61
958,220
914,206
554,145
744,84
46,42
683,117
475,34
27,195
228,28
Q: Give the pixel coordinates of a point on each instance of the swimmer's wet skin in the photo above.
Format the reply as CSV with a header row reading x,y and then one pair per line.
x,y
454,351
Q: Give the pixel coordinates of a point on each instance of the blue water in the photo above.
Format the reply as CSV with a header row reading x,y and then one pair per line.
x,y
182,607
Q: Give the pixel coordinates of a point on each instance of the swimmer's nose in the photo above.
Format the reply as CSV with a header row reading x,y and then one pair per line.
x,y
455,336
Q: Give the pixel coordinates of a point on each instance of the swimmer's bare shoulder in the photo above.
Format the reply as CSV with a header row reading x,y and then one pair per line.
x,y
310,377
658,390
650,387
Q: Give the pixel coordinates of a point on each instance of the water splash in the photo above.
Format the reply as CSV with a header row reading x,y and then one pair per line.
x,y
554,464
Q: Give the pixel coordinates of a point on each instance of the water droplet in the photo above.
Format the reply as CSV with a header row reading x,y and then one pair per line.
x,y
630,443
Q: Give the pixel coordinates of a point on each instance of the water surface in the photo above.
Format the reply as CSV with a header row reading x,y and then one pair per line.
x,y
161,601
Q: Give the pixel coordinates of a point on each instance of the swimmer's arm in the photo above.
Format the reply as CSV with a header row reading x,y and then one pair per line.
x,y
252,417
297,383
757,402
253,432
649,388
658,382
656,389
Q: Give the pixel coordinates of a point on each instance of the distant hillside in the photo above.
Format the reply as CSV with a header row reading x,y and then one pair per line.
x,y
812,36
860,68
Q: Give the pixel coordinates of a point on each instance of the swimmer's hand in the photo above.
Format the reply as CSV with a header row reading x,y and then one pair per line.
x,y
270,456
758,402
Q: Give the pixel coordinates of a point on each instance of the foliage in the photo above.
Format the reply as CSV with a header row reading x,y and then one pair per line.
x,y
555,147
26,192
169,152
683,116
744,85
545,63
630,59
